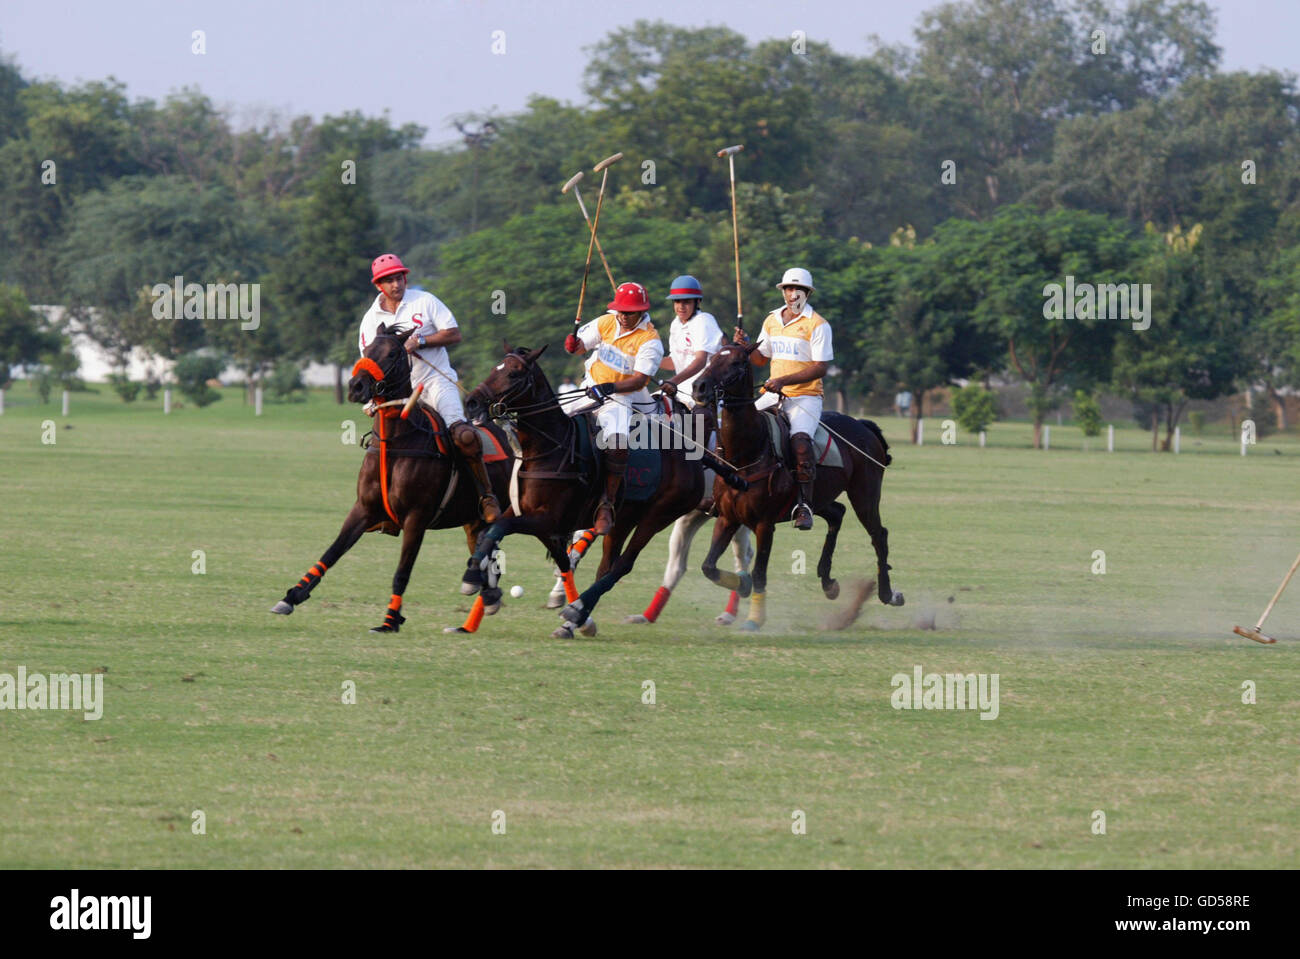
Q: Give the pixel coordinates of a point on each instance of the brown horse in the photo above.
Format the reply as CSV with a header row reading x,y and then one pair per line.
x,y
410,480
559,487
745,440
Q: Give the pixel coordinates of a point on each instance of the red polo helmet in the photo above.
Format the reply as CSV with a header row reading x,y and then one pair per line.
x,y
386,265
630,298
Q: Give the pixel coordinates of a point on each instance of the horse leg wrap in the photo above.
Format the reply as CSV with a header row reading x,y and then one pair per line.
x,y
581,545
393,618
733,602
475,616
758,609
301,592
658,603
570,589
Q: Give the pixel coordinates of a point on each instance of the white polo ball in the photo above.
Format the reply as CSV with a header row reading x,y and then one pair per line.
x,y
516,591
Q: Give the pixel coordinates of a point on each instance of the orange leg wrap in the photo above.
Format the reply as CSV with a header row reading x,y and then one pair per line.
x,y
475,616
570,590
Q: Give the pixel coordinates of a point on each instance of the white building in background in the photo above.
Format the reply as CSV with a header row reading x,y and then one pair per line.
x,y
97,363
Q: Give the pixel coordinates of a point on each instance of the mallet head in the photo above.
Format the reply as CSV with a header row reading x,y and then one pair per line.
x,y
1254,634
573,180
727,151
606,162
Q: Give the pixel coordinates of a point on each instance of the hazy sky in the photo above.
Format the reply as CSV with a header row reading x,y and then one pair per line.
x,y
427,60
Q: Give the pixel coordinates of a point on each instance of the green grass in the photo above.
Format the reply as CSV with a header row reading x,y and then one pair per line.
x,y
1120,692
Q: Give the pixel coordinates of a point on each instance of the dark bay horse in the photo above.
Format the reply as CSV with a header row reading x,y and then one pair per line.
x,y
745,440
558,490
409,481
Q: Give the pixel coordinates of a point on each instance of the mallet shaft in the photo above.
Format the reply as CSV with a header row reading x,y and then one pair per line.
x,y
1276,595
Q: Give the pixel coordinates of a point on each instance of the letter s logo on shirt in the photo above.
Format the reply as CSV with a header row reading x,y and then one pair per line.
x,y
415,318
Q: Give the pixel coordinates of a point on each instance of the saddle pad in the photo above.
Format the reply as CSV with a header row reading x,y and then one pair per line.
x,y
644,471
824,445
492,450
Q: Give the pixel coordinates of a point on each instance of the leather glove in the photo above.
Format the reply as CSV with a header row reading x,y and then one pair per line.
x,y
600,391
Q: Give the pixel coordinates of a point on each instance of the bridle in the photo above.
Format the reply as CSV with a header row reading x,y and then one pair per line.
x,y
389,380
501,407
724,388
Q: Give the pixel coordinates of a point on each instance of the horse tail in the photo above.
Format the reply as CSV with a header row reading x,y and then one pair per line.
x,y
884,444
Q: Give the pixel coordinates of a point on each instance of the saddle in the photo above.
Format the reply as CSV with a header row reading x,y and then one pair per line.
x,y
432,438
825,448
428,438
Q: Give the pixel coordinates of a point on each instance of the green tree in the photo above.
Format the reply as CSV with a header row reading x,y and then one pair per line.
x,y
1194,346
1020,264
319,291
24,339
192,372
974,407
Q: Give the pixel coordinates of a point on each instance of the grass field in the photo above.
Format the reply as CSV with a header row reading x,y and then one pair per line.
x,y
1119,692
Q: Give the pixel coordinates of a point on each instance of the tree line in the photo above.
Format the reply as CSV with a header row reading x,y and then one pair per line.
x,y
937,192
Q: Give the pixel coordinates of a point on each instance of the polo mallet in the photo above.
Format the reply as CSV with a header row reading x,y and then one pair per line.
x,y
730,154
603,168
410,403
573,183
1254,632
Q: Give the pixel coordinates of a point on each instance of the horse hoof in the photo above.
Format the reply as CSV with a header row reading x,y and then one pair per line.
x,y
469,589
454,629
725,619
832,589
283,608
637,620
573,613
746,586
384,629
555,600
588,628
896,599
563,632
750,626
492,610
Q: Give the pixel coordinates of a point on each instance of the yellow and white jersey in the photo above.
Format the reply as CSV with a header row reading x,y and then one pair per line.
x,y
617,354
793,346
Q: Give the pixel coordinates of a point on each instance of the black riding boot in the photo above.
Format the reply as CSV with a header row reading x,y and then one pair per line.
x,y
471,448
805,469
615,467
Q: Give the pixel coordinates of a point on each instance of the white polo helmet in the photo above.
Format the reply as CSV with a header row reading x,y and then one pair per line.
x,y
796,276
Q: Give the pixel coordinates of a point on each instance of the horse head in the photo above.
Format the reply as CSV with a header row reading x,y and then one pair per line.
x,y
515,384
384,371
728,372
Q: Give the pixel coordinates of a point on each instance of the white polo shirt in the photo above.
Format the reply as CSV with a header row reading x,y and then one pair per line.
x,y
426,314
700,332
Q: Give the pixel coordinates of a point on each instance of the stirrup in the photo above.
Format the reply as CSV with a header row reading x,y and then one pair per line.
x,y
484,502
803,517
605,506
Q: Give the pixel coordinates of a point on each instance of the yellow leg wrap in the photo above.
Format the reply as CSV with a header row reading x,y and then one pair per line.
x,y
757,608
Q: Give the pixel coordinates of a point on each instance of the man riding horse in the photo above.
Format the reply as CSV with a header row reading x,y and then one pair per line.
x,y
400,309
628,352
796,339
